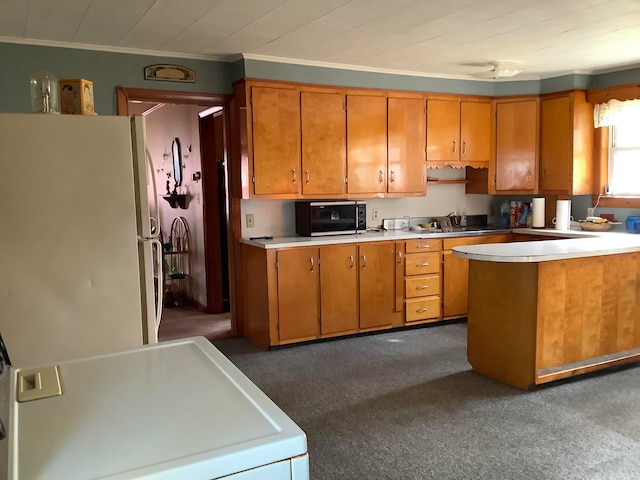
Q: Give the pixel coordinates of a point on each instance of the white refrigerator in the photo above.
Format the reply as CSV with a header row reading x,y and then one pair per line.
x,y
78,266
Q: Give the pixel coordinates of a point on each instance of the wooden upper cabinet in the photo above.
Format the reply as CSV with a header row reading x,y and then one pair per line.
x,y
324,138
366,144
406,146
443,130
517,134
275,123
475,132
458,133
566,144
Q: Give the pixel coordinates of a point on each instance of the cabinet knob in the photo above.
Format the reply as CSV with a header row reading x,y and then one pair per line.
x,y
311,260
464,147
392,177
399,258
364,261
352,261
422,310
306,173
293,174
454,146
381,176
422,287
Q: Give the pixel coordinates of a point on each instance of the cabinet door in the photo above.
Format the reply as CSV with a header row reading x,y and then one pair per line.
x,y
276,140
516,145
556,138
366,144
377,286
443,130
455,286
406,147
338,288
324,138
475,132
298,293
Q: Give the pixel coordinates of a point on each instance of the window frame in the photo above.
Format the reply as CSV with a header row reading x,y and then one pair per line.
x,y
601,148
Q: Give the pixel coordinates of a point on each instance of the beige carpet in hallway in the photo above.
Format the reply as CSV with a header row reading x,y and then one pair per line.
x,y
187,322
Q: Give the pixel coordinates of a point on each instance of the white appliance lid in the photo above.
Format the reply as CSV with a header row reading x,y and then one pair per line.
x,y
174,410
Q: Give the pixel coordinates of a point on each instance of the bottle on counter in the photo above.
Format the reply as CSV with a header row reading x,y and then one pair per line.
x,y
504,214
463,218
513,214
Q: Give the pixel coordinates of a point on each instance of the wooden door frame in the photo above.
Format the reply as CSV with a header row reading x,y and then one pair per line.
x,y
125,95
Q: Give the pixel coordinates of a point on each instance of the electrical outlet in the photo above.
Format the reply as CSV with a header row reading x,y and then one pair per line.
x,y
590,212
374,214
249,220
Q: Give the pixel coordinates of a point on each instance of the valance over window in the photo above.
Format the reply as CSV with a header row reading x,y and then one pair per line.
x,y
613,112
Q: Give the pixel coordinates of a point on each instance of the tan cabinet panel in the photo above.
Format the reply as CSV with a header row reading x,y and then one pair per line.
x,y
516,145
377,292
366,144
475,132
324,138
455,285
566,144
422,285
276,140
406,145
422,263
338,288
298,293
443,130
423,308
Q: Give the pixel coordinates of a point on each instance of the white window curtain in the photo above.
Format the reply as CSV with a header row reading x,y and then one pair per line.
x,y
610,113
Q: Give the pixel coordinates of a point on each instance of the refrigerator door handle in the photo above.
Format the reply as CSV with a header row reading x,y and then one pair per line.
x,y
155,218
159,299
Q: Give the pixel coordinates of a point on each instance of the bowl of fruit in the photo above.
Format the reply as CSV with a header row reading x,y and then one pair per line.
x,y
596,224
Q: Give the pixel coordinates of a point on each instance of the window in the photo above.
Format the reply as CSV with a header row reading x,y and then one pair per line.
x,y
624,152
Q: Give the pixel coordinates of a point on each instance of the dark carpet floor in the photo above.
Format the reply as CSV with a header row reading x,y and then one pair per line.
x,y
406,405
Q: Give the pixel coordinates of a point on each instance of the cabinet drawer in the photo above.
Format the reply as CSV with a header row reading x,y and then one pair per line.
x,y
422,263
449,243
422,286
423,245
422,308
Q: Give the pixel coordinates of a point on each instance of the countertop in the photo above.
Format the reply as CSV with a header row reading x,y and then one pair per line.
x,y
368,236
576,244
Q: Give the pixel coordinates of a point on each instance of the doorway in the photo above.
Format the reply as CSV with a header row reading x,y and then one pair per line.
x,y
212,317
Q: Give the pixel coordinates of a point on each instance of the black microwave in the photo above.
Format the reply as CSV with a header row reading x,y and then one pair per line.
x,y
330,217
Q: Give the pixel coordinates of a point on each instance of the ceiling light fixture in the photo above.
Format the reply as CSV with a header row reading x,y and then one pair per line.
x,y
498,71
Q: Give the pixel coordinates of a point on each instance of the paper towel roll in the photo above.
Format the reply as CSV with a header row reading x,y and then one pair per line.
x,y
563,215
538,213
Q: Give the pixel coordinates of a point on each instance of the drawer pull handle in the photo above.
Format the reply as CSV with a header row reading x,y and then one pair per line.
x,y
422,310
422,287
423,246
352,262
424,264
399,257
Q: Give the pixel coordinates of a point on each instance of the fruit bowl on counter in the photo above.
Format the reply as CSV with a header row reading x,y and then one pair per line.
x,y
597,224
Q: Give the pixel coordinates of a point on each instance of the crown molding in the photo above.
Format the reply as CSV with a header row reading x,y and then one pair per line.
x,y
112,49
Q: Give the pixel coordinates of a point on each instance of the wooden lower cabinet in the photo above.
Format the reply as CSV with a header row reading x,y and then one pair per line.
x,y
422,280
298,293
455,273
339,289
376,276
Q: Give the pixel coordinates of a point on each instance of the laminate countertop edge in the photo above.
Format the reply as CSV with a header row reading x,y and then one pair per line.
x,y
576,244
369,236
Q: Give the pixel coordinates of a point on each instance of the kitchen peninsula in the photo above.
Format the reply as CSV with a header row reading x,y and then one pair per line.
x,y
543,311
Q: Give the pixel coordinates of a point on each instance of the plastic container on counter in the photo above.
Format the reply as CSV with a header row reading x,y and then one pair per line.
x,y
633,224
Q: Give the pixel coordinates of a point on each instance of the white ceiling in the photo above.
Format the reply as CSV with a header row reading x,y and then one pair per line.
x,y
429,37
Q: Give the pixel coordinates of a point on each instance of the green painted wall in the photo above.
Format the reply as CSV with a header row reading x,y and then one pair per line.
x,y
109,70
105,69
